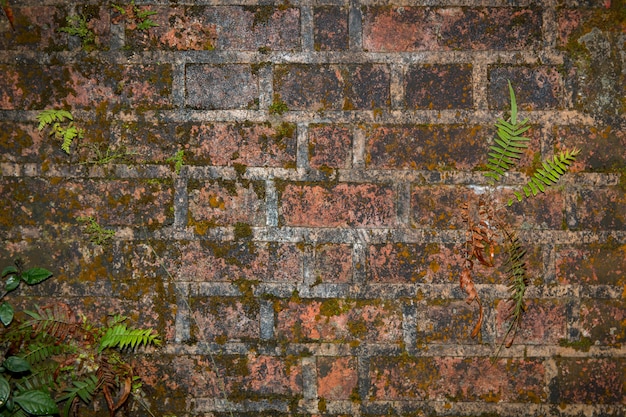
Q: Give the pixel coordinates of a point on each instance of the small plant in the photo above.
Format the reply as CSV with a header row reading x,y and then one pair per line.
x,y
97,234
108,155
137,18
278,106
485,228
77,26
178,159
61,125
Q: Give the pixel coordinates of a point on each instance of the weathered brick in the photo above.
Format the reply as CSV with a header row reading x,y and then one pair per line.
x,y
225,319
35,28
27,86
543,322
588,381
204,261
604,321
224,86
339,320
336,377
332,87
249,144
330,29
439,87
426,146
602,148
19,142
151,143
333,263
402,377
411,29
356,205
446,322
536,88
330,146
226,202
599,209
544,211
438,207
592,264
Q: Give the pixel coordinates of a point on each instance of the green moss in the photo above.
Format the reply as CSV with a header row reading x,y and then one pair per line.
x,y
321,405
242,231
330,307
582,345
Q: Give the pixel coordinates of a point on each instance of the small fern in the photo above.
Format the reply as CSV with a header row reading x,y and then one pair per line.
x,y
83,390
61,123
120,336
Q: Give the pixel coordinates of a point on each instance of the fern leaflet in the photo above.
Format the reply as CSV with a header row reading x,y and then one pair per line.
x,y
84,390
48,117
121,337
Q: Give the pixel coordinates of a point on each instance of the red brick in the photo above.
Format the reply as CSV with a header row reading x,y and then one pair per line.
x,y
424,147
410,29
340,320
543,322
332,87
20,142
405,262
602,149
35,29
438,207
225,202
227,318
272,375
333,263
536,88
364,205
592,264
599,209
439,87
224,86
204,261
604,321
152,143
226,144
402,377
336,377
588,381
446,322
544,211
330,30
330,146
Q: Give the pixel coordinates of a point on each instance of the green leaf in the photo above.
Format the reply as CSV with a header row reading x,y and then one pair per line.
x,y
513,105
12,282
36,275
5,391
37,403
16,364
6,313
12,269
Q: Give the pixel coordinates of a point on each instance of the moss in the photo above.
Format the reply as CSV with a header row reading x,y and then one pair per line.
x,y
321,405
330,307
242,231
583,345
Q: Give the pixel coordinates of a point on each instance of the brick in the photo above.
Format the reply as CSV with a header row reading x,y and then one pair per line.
x,y
226,202
402,377
339,320
151,143
205,261
446,322
330,31
227,86
424,147
250,144
543,322
599,209
602,148
592,264
588,381
439,87
544,211
34,29
330,146
272,375
332,87
333,263
536,88
356,205
406,262
337,377
31,86
604,321
20,142
411,29
224,318
438,207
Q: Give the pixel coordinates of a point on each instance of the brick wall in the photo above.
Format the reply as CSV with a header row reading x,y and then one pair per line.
x,y
312,242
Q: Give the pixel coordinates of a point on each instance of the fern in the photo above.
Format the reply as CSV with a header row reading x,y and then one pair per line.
x,y
61,126
39,352
84,390
121,337
56,321
552,171
509,145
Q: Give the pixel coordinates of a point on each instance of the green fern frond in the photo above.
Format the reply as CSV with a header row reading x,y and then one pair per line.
x,y
40,352
509,144
84,390
39,379
552,171
51,116
121,337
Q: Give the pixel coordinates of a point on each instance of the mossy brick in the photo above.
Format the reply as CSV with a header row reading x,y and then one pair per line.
x,y
604,321
221,86
412,29
273,375
440,86
225,202
320,87
337,377
479,379
446,321
414,263
206,261
332,263
35,29
426,147
543,211
20,142
402,377
438,207
598,209
544,322
330,146
536,87
249,144
591,264
330,30
572,23
29,86
224,319
603,148
340,205
588,381
150,142
335,320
